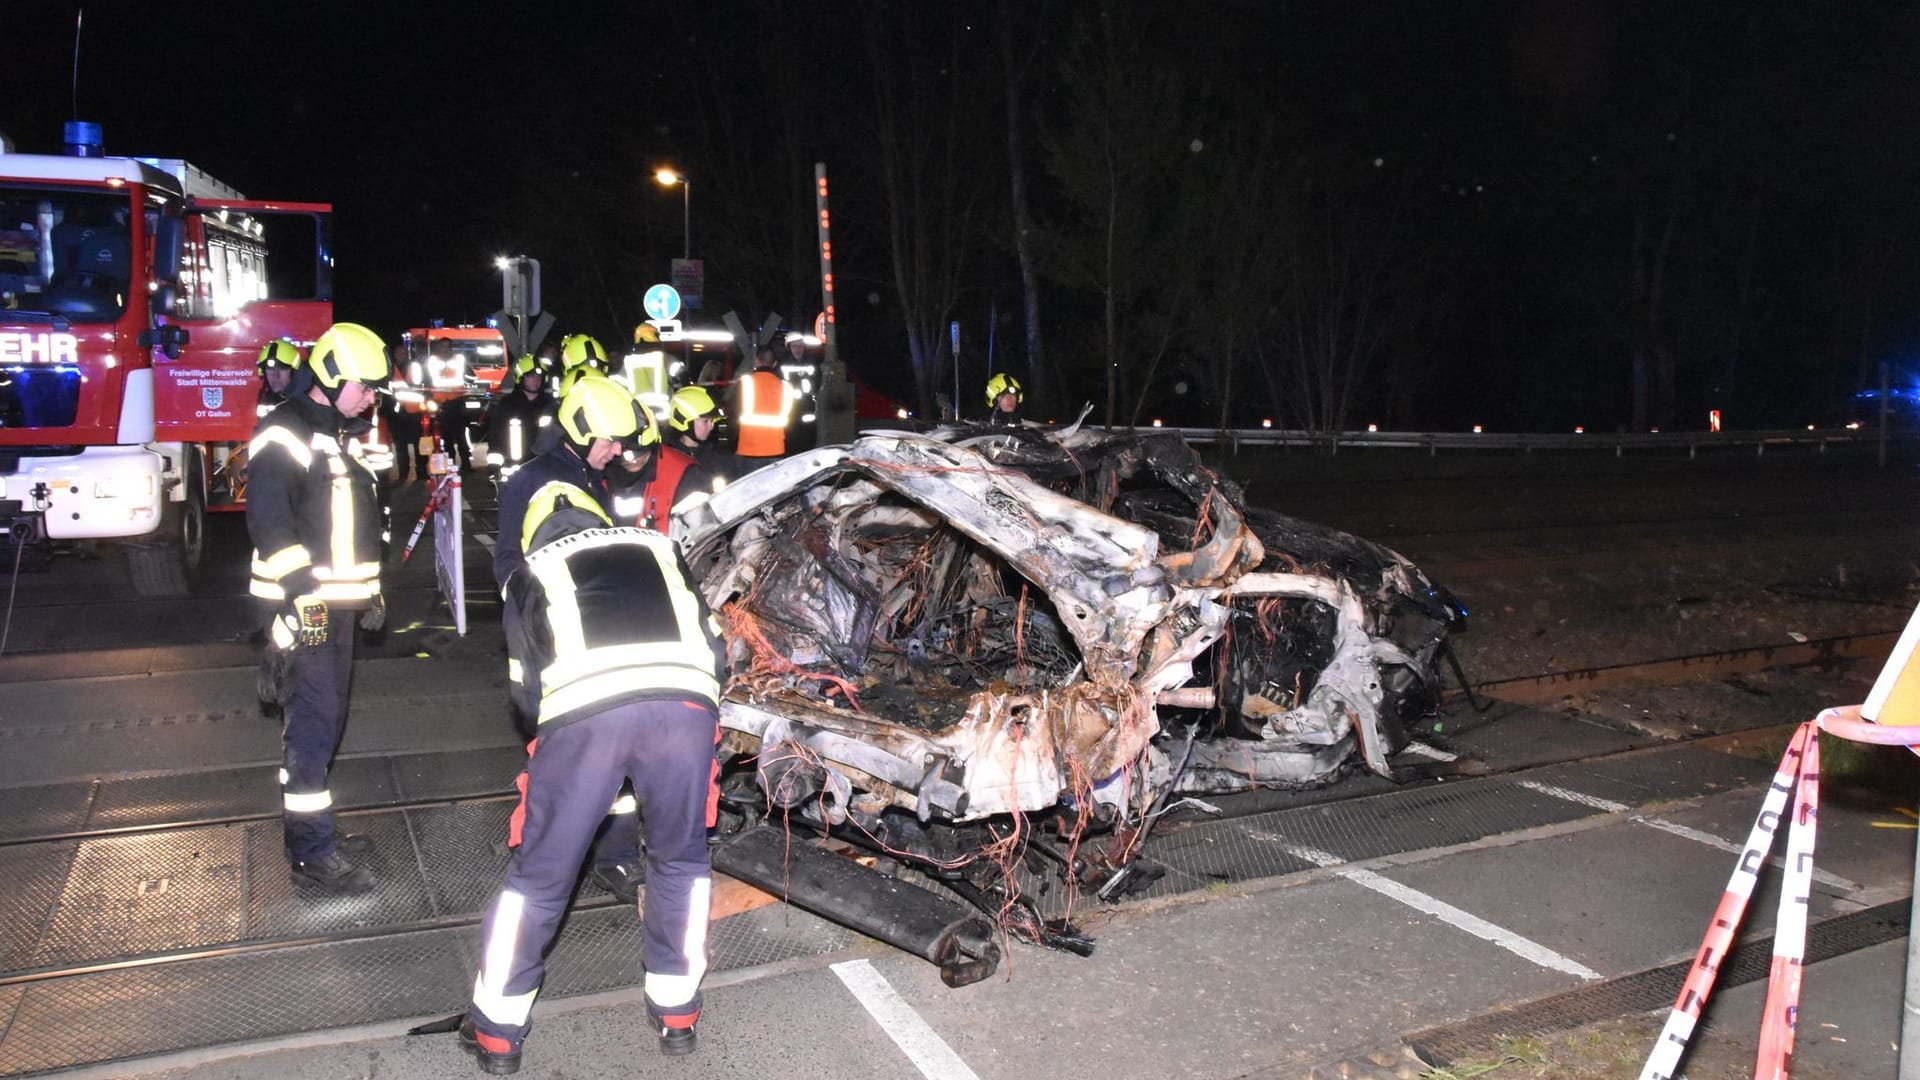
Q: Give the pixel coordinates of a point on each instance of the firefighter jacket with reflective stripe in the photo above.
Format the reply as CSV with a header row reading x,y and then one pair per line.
x,y
605,617
313,510
761,422
517,423
560,462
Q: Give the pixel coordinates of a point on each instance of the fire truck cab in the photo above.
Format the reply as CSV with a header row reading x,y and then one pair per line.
x,y
463,378
135,294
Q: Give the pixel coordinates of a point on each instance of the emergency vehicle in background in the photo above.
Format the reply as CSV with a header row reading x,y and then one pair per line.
x,y
135,294
464,380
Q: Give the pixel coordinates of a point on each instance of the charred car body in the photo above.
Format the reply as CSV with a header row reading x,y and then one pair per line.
x,y
987,655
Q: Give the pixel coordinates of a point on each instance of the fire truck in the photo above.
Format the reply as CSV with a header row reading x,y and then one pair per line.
x,y
464,380
135,294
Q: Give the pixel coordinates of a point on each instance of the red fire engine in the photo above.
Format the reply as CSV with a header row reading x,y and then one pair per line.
x,y
135,294
470,371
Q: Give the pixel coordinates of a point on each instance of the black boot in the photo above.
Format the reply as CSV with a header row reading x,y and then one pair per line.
x,y
492,1062
334,874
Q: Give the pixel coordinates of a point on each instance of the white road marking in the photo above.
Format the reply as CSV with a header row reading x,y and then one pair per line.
x,y
1698,836
1573,796
485,541
1472,924
922,1045
1531,951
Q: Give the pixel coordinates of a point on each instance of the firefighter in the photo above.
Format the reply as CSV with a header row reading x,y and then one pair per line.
x,y
597,421
763,403
404,423
1004,397
313,513
523,413
279,360
647,370
583,350
649,480
455,418
551,361
692,416
614,651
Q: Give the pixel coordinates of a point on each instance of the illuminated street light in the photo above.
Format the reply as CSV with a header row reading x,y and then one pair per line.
x,y
501,262
668,178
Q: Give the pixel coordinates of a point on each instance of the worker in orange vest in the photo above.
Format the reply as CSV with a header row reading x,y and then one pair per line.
x,y
763,403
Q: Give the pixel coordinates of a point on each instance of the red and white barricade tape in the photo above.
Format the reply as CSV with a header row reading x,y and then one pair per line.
x,y
1798,779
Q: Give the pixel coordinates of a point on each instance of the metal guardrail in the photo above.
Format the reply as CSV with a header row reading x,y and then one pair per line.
x,y
1526,442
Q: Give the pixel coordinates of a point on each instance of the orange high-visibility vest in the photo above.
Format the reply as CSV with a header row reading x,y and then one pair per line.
x,y
765,403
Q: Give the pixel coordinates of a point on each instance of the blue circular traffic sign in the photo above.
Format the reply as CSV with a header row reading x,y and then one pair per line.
x,y
662,302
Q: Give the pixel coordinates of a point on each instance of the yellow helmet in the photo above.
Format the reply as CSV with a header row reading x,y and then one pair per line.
x,y
596,407
563,506
278,353
1004,384
583,349
646,333
525,366
349,352
691,403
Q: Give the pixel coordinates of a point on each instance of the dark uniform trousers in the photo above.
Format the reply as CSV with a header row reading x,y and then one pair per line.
x,y
666,748
312,724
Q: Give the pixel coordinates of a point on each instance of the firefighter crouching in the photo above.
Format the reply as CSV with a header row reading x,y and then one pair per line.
x,y
313,513
613,650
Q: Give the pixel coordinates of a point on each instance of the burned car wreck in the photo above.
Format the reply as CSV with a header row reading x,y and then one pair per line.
x,y
990,658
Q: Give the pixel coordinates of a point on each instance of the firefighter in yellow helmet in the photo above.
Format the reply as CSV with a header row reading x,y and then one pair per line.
x,y
621,662
583,350
692,416
1004,397
279,360
597,421
313,512
523,414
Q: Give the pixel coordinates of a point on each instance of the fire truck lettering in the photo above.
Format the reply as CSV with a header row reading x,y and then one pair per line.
x,y
18,347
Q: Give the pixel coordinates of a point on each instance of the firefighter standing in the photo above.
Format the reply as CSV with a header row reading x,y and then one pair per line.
x,y
454,417
523,412
763,403
692,416
615,653
279,359
314,516
405,426
1004,397
648,481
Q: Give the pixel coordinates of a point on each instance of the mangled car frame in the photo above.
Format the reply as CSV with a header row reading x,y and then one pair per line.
x,y
985,656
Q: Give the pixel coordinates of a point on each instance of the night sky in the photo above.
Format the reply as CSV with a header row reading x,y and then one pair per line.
x,y
1492,213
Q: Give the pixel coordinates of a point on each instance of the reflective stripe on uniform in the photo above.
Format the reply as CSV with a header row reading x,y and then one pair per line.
x,y
346,590
614,684
266,590
308,803
670,991
587,663
625,804
275,435
489,988
514,671
281,563
341,523
750,414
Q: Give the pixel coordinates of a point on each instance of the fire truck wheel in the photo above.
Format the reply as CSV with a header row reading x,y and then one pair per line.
x,y
164,564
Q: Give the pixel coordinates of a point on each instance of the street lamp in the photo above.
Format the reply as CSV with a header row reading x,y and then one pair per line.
x,y
668,178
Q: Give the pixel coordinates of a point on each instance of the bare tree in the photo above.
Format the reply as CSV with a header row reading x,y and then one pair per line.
x,y
930,141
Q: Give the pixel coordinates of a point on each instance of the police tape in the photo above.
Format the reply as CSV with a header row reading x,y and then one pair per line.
x,y
1797,779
